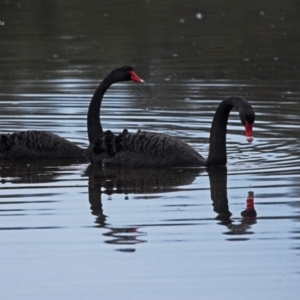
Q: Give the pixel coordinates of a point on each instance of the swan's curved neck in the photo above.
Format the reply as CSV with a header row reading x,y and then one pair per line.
x,y
93,119
217,141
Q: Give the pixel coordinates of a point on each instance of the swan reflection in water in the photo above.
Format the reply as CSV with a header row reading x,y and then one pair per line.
x,y
131,181
39,171
116,180
111,181
218,189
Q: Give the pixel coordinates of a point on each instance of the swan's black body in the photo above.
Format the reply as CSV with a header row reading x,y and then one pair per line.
x,y
145,149
148,149
37,144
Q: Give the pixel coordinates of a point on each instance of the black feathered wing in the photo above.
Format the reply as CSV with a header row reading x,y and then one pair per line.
x,y
37,144
147,149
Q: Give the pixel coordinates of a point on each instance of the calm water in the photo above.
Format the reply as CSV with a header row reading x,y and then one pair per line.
x,y
70,230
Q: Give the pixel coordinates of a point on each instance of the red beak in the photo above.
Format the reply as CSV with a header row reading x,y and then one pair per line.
x,y
136,78
249,131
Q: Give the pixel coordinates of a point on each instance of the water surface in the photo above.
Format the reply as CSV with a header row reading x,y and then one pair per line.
x,y
73,230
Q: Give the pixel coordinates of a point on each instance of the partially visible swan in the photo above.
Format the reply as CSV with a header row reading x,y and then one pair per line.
x,y
47,145
37,144
149,149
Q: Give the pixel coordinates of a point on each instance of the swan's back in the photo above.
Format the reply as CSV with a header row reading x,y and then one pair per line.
x,y
148,149
37,144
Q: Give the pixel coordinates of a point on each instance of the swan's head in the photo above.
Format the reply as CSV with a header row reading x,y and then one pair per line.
x,y
126,73
247,117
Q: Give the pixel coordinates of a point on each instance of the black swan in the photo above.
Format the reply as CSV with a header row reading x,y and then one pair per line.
x,y
47,145
148,149
37,145
94,126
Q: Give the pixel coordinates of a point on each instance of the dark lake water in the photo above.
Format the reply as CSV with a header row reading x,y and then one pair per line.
x,y
76,231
